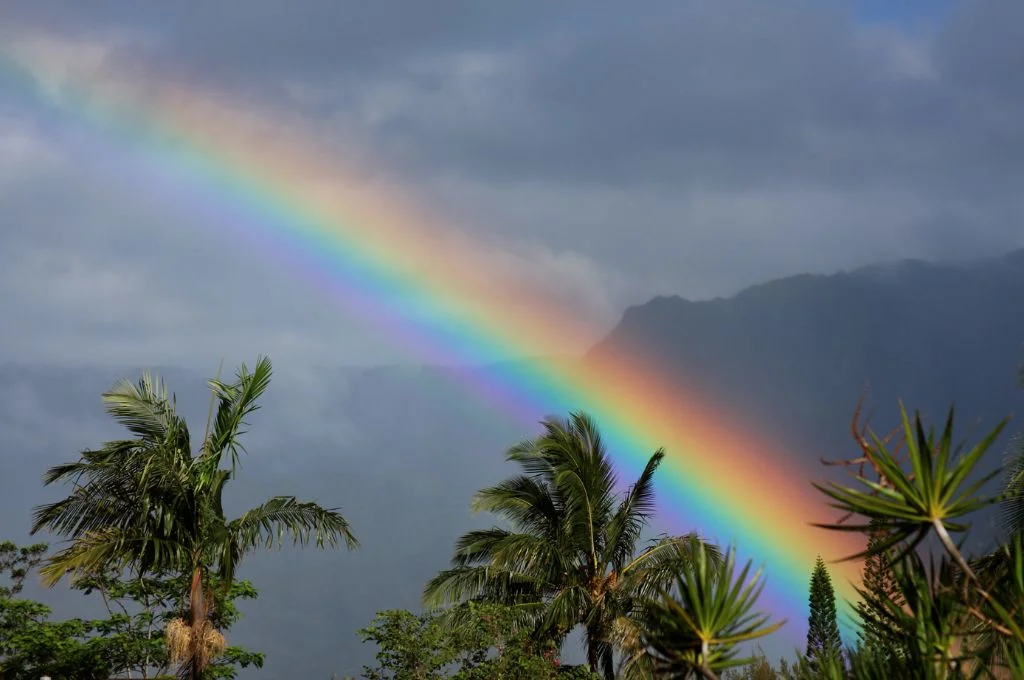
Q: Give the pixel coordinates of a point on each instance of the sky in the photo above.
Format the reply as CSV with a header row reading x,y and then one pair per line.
x,y
608,153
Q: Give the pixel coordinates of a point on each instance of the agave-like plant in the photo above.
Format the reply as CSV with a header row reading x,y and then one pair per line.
x,y
956,618
695,629
933,497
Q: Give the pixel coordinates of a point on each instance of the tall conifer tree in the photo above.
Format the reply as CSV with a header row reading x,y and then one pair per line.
x,y
877,633
823,641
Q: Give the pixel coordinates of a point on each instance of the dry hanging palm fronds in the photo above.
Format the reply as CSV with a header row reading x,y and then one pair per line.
x,y
178,636
198,644
208,643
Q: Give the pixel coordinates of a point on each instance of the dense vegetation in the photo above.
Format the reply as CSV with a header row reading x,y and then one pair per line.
x,y
148,536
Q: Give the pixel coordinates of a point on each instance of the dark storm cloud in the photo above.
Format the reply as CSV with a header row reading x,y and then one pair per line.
x,y
265,39
692,147
742,94
730,94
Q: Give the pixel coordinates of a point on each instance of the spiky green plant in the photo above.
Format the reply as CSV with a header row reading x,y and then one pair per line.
x,y
932,497
953,617
695,629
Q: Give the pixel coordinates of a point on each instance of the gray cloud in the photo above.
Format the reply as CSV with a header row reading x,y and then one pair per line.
x,y
693,148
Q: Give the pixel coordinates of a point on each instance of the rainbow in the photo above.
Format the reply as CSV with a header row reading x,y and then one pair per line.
x,y
441,294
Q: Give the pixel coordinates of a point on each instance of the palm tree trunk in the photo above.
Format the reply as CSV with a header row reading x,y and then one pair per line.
x,y
608,663
600,660
197,612
592,656
195,598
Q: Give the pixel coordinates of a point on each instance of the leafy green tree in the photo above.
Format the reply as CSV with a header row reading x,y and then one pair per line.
x,y
409,646
139,610
474,642
570,557
31,645
129,643
150,504
695,630
823,640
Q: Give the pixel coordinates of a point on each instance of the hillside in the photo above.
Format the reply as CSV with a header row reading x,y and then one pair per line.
x,y
796,354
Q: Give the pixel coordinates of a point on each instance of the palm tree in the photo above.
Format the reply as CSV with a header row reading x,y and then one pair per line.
x,y
570,557
149,504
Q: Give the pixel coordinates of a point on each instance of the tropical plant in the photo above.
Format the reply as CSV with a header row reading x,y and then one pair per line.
x,y
570,557
950,616
150,505
695,630
933,497
1012,503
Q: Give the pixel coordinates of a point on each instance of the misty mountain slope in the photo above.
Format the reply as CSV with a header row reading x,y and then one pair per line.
x,y
793,356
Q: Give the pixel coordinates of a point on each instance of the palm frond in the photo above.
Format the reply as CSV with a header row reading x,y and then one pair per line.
x,y
524,500
461,584
145,409
1011,506
933,495
654,569
303,521
235,402
112,548
568,607
698,626
632,515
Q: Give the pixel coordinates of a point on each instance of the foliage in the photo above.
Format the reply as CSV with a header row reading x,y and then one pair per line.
x,y
878,587
570,558
1012,505
945,616
140,608
149,536
696,630
30,644
149,505
129,641
759,668
470,642
823,640
942,612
